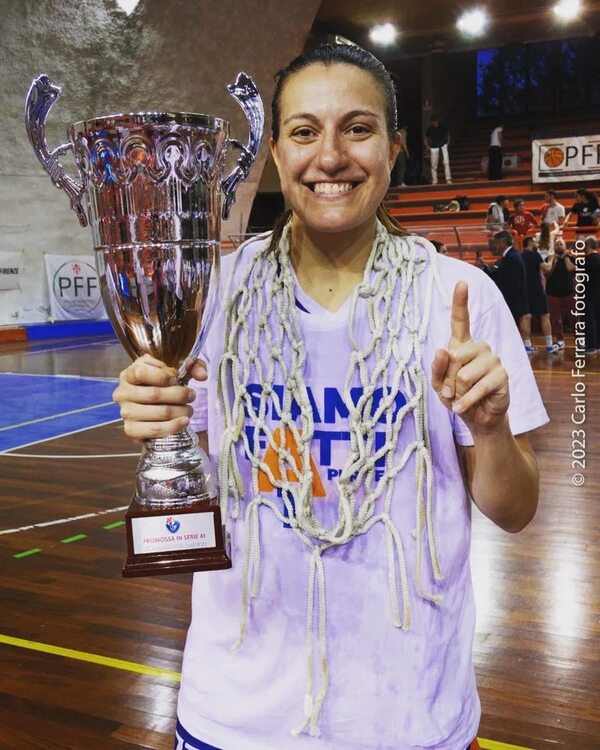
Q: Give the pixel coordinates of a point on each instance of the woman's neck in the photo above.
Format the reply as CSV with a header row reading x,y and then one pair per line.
x,y
340,252
329,265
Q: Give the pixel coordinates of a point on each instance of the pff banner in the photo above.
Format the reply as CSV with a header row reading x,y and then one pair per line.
x,y
74,288
562,159
11,270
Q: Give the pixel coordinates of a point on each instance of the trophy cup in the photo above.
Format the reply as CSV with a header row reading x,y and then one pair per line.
x,y
152,183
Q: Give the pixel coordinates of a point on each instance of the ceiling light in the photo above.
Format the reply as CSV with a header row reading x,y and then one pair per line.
x,y
383,33
128,5
473,22
567,10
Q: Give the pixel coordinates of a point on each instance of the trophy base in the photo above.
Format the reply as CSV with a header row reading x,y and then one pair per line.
x,y
175,538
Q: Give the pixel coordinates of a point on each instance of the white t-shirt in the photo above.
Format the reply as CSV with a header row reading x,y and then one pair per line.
x,y
495,214
554,213
390,689
496,138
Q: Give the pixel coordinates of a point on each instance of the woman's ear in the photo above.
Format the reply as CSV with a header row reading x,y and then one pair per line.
x,y
273,148
395,146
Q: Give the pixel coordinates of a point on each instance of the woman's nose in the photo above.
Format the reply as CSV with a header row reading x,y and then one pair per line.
x,y
331,155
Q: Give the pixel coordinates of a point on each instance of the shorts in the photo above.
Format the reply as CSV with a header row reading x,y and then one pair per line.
x,y
538,305
185,741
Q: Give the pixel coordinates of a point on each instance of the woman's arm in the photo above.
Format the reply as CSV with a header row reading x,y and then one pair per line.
x,y
507,497
501,470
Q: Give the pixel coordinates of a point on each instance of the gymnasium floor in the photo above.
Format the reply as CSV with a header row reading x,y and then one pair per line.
x,y
90,660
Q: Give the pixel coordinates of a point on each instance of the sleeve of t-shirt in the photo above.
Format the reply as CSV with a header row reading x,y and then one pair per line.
x,y
526,411
199,419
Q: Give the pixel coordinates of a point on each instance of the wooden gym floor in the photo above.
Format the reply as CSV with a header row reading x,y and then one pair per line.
x,y
90,661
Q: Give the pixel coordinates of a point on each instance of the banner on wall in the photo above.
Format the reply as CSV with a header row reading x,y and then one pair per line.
x,y
562,159
74,288
11,270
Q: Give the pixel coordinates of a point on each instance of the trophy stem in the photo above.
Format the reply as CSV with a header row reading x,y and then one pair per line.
x,y
174,470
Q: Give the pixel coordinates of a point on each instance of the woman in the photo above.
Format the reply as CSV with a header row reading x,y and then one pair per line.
x,y
585,209
341,367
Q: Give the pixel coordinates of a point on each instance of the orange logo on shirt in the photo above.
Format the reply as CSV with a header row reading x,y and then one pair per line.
x,y
285,438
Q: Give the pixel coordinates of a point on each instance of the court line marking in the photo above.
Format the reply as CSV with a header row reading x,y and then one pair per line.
x,y
75,538
496,745
101,378
43,524
105,661
56,437
67,456
55,416
115,525
27,553
58,348
145,669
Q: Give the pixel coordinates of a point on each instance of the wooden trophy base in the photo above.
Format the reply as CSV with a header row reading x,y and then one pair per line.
x,y
175,538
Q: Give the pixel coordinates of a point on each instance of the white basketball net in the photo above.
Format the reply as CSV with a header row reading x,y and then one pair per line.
x,y
262,321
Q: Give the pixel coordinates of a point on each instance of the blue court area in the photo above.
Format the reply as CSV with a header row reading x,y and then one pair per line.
x,y
35,408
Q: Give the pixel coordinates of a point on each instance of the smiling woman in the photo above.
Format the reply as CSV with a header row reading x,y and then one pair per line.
x,y
341,367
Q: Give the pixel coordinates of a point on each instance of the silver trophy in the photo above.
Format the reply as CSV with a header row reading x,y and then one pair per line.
x,y
152,183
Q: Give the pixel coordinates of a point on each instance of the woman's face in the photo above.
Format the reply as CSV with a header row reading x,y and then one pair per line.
x,y
333,154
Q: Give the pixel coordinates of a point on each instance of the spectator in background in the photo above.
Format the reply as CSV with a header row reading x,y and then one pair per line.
x,y
592,296
509,274
552,211
559,289
536,296
495,154
553,216
497,215
399,171
440,247
585,209
437,139
545,241
521,223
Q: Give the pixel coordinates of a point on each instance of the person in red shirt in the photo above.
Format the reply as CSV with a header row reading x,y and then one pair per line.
x,y
521,223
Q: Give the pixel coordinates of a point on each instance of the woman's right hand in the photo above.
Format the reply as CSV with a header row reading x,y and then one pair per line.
x,y
152,403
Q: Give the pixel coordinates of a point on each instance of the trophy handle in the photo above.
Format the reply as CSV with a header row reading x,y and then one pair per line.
x,y
41,96
246,94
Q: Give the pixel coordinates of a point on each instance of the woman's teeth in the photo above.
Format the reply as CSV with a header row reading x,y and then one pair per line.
x,y
332,188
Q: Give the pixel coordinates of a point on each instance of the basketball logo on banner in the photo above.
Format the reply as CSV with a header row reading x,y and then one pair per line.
x,y
74,288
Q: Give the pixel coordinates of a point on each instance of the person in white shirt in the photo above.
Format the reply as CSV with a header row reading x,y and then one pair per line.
x,y
497,215
495,154
552,211
352,372
553,215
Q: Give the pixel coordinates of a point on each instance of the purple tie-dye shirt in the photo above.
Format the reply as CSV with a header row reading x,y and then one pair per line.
x,y
390,689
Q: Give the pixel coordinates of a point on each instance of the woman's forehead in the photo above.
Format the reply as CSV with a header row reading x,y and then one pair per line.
x,y
331,90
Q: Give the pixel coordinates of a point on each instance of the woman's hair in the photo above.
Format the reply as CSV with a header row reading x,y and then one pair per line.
x,y
545,236
589,197
334,54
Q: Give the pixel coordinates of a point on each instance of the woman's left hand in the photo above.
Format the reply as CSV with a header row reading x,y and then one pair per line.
x,y
468,376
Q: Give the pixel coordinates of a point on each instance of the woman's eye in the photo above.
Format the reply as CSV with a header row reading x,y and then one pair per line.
x,y
303,132
359,130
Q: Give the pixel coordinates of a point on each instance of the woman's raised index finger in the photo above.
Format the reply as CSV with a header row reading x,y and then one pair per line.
x,y
460,326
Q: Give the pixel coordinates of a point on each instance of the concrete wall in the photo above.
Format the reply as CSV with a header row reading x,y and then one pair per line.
x,y
169,54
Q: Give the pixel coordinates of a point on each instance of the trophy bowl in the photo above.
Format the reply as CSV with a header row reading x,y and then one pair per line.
x,y
152,184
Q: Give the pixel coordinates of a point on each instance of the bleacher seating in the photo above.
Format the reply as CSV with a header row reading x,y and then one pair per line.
x,y
463,232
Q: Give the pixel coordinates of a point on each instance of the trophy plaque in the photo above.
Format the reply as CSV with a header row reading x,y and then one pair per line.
x,y
151,183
